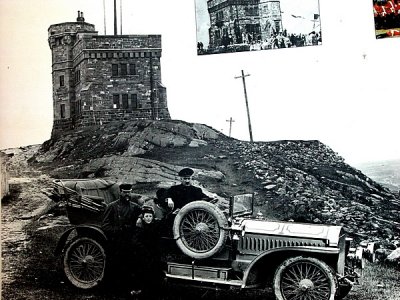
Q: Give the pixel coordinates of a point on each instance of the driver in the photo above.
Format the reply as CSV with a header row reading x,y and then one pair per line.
x,y
184,193
119,225
120,217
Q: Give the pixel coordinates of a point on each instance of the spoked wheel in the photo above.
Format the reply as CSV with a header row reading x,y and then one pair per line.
x,y
199,229
304,278
84,262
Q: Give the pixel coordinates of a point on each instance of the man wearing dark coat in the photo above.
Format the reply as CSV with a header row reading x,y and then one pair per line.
x,y
121,215
185,192
119,225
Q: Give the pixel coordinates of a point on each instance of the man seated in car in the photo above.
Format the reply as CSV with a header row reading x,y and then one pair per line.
x,y
185,192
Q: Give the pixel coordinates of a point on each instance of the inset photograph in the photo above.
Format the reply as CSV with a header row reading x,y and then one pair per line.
x,y
387,18
225,26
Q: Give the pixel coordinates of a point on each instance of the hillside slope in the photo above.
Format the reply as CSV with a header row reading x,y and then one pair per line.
x,y
293,180
385,172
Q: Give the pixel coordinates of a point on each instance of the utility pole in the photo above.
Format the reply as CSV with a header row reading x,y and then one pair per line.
x,y
104,9
247,103
230,125
120,14
115,17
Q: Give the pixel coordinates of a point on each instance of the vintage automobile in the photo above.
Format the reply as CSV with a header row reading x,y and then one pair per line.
x,y
217,248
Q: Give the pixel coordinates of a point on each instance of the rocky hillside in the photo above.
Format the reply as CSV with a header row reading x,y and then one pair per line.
x,y
293,180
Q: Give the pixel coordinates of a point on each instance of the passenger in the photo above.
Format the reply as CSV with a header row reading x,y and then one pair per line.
x,y
185,192
150,275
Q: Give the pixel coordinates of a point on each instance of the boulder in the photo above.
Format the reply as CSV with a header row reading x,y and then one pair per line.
x,y
394,257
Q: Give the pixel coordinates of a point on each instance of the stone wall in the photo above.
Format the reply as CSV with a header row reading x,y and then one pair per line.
x,y
100,117
62,39
99,86
123,42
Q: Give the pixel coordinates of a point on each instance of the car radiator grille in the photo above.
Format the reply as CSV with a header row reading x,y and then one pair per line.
x,y
256,243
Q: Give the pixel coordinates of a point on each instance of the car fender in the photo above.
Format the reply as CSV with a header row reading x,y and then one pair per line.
x,y
82,230
302,250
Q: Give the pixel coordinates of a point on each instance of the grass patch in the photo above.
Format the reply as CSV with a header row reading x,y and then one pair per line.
x,y
379,282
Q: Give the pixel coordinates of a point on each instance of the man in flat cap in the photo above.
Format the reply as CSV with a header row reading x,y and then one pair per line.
x,y
119,225
121,215
185,192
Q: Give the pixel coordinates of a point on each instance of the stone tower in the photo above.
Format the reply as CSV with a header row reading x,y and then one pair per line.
x,y
97,79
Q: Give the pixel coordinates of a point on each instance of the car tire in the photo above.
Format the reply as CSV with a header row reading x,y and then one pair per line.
x,y
306,277
84,262
200,229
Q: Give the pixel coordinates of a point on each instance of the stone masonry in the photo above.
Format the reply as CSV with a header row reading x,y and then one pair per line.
x,y
102,78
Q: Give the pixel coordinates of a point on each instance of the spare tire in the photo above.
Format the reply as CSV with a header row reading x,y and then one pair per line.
x,y
200,229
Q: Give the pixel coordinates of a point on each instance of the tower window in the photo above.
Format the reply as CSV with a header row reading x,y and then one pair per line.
x,y
116,101
62,80
125,104
220,15
114,70
77,76
134,101
132,69
124,69
62,111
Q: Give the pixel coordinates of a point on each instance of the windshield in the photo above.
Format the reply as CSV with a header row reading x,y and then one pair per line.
x,y
242,205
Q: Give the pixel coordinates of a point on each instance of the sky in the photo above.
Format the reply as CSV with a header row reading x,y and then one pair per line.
x,y
343,92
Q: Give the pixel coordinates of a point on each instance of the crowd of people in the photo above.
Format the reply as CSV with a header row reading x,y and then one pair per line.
x,y
275,41
284,40
387,14
134,234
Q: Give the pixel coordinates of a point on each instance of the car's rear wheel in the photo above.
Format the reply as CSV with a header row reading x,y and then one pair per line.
x,y
200,229
84,262
304,278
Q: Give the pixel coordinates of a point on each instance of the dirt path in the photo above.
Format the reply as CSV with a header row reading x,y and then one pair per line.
x,y
25,203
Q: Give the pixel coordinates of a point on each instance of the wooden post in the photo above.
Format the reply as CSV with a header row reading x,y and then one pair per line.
x,y
230,125
115,17
247,103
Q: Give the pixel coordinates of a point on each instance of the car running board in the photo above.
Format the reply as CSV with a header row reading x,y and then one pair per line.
x,y
203,274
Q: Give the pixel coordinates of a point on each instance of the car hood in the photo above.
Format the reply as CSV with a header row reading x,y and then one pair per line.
x,y
285,229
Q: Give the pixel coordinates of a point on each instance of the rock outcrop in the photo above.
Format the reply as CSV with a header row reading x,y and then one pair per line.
x,y
293,180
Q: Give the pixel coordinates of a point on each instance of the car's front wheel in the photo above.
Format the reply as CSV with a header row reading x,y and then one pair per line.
x,y
304,278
